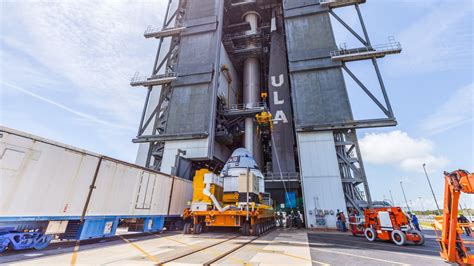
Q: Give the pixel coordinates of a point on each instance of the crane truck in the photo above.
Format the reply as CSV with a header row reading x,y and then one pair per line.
x,y
453,247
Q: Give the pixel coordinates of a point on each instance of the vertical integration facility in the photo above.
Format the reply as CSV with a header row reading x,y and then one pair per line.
x,y
222,62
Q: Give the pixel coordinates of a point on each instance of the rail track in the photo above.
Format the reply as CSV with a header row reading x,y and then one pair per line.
x,y
214,252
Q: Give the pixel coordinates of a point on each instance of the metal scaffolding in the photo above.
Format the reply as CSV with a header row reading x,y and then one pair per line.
x,y
347,147
163,74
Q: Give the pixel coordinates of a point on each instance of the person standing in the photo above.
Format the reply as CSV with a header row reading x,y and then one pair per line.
x,y
415,221
343,222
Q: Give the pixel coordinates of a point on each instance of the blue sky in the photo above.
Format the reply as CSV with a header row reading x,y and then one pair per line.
x,y
65,69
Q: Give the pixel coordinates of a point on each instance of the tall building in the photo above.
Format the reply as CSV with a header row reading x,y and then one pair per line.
x,y
222,62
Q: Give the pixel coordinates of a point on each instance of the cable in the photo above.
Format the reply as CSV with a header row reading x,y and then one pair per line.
x,y
279,168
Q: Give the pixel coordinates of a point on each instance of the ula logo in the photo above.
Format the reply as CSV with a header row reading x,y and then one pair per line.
x,y
279,114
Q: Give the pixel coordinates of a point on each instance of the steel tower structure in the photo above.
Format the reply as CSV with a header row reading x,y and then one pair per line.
x,y
221,62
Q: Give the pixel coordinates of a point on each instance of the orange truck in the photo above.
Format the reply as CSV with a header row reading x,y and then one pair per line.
x,y
390,224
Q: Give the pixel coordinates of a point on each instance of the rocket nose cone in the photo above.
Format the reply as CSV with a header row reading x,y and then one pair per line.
x,y
241,152
240,158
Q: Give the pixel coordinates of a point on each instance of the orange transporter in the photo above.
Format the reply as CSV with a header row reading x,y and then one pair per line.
x,y
251,212
390,224
452,245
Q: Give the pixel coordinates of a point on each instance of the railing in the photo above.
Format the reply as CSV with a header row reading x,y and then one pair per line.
x,y
151,31
137,79
230,36
341,2
278,177
382,48
246,106
327,1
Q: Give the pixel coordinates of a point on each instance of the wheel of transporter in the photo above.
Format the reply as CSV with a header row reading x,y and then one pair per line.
x,y
197,229
398,237
256,230
42,242
187,228
370,234
4,247
422,238
246,229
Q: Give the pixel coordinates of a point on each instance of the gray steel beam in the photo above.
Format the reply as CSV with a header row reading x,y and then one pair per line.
x,y
367,91
348,28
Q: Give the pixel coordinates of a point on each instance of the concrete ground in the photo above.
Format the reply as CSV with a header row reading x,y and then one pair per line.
x,y
278,247
344,249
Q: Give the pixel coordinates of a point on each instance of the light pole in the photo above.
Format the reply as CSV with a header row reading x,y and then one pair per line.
x,y
391,197
421,202
432,192
404,196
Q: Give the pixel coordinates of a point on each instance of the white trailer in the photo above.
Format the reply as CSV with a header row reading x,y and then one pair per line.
x,y
49,188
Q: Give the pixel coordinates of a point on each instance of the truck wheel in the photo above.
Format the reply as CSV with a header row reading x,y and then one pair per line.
x,y
3,248
42,242
187,228
246,229
422,238
256,230
398,237
370,234
197,229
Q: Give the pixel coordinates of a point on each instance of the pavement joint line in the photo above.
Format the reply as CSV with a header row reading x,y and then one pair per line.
x,y
390,251
359,256
74,253
291,255
148,255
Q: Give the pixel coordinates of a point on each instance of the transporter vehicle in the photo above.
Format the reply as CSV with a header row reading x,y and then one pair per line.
x,y
453,247
234,199
390,224
49,190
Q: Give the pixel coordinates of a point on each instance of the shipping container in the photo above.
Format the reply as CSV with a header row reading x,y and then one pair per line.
x,y
51,189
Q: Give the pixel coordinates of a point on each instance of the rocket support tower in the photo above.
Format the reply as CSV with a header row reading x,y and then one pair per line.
x,y
216,57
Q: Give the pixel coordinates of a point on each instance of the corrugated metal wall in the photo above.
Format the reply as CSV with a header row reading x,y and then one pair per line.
x,y
320,99
193,100
318,89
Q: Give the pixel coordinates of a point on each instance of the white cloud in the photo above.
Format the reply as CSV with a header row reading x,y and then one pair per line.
x,y
456,111
439,41
95,45
397,148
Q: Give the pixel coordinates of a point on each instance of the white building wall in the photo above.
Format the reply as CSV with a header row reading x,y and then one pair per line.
x,y
195,149
321,179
